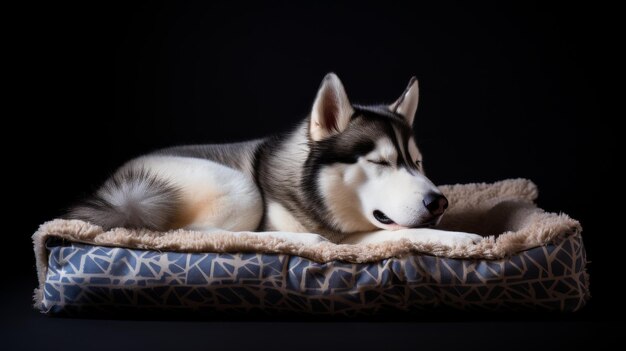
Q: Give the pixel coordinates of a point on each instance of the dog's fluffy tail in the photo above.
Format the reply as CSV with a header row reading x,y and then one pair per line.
x,y
133,199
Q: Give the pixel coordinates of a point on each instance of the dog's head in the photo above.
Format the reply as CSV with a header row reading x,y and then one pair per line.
x,y
364,164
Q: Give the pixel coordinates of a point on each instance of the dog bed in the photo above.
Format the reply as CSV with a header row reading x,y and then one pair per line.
x,y
528,259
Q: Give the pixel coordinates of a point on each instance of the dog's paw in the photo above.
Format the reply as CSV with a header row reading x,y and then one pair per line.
x,y
307,239
457,238
442,237
421,236
298,238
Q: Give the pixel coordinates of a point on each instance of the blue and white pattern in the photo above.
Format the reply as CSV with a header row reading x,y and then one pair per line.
x,y
86,278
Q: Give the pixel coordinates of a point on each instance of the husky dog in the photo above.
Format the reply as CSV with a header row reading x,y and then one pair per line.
x,y
348,173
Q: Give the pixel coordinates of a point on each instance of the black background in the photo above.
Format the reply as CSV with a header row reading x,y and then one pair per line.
x,y
506,90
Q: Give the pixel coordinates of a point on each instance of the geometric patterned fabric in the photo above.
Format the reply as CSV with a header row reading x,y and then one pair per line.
x,y
87,278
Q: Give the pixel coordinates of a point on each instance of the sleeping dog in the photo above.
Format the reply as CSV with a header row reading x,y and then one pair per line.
x,y
347,173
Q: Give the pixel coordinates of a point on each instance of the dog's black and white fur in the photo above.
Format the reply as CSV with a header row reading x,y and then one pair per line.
x,y
348,173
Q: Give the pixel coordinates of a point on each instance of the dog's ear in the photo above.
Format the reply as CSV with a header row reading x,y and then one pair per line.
x,y
406,105
331,110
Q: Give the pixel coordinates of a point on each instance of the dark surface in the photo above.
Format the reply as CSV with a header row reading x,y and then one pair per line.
x,y
507,90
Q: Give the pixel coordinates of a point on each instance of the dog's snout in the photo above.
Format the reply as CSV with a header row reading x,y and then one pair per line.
x,y
435,203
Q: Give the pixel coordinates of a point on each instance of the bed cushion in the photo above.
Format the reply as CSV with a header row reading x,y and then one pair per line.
x,y
528,259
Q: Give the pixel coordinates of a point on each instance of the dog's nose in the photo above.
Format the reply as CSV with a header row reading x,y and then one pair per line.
x,y
435,203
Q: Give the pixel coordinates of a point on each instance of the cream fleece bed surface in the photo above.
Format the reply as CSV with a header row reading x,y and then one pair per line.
x,y
528,259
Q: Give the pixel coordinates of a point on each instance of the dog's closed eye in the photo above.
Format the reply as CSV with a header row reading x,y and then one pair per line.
x,y
380,162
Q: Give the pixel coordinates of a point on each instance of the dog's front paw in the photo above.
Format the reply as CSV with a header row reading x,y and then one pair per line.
x,y
306,239
421,236
456,238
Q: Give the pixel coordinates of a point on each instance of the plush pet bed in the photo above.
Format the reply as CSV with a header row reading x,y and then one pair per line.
x,y
528,259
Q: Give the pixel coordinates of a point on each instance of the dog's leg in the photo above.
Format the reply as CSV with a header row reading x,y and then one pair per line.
x,y
421,235
169,192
